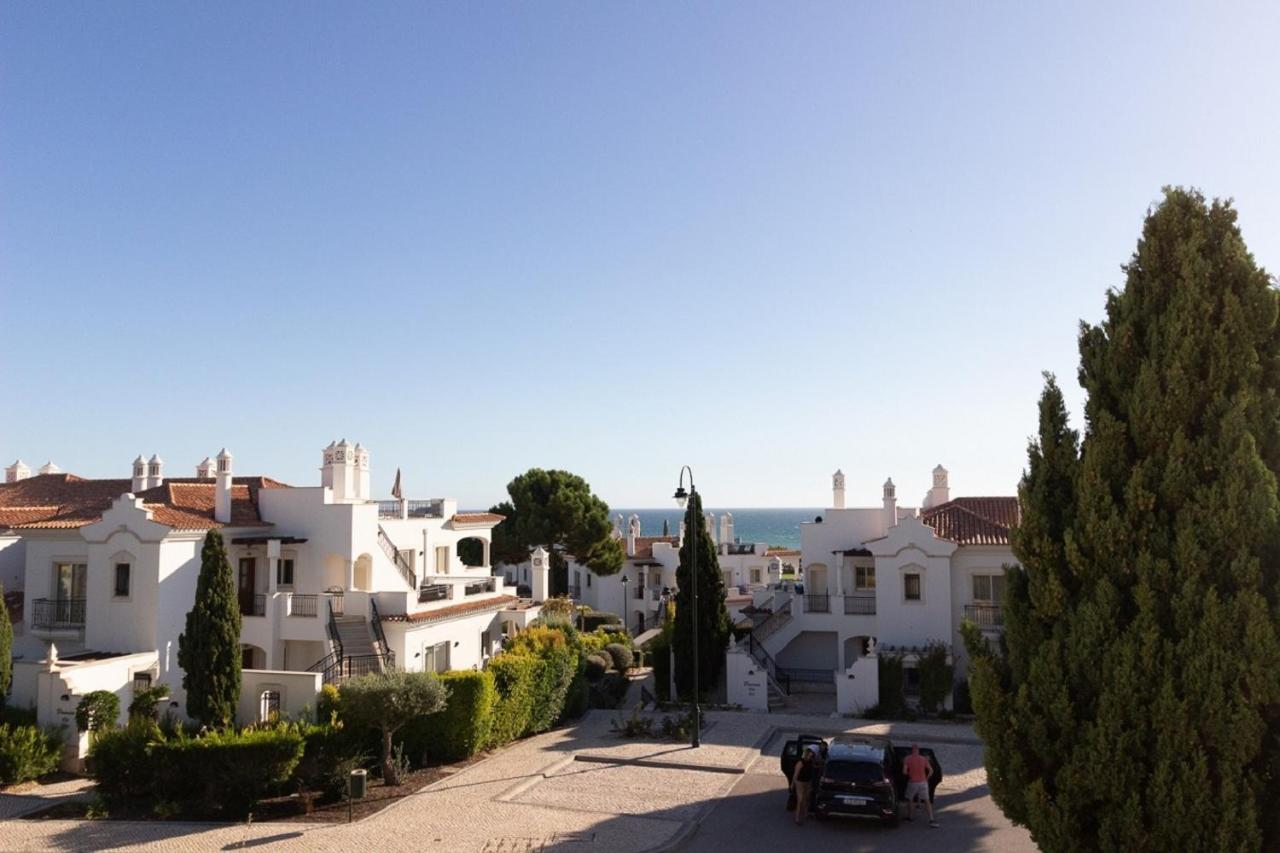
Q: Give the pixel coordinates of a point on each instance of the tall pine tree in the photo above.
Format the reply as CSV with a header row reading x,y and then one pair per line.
x,y
712,616
209,648
1141,691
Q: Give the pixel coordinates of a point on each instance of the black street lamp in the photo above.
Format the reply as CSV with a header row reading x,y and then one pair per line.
x,y
682,498
623,612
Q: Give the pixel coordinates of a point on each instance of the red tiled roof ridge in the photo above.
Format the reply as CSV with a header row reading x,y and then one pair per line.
x,y
452,610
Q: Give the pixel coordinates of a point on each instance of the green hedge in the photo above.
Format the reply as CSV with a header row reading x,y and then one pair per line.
x,y
26,752
514,678
218,774
598,619
465,725
559,665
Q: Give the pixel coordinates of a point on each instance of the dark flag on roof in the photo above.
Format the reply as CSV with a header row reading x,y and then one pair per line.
x,y
395,490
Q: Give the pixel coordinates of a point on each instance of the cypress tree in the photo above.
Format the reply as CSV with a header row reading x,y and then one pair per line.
x,y
1152,584
6,648
209,648
713,617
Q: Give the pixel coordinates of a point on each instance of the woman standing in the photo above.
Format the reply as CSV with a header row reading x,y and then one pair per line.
x,y
802,779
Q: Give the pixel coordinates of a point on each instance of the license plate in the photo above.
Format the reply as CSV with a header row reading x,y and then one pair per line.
x,y
855,801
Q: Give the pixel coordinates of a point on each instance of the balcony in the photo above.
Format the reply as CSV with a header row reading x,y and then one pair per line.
x,y
859,605
818,603
639,592
253,605
433,592
57,614
433,508
312,606
984,615
480,587
575,592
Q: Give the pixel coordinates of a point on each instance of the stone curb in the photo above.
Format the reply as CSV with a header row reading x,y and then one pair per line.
x,y
667,765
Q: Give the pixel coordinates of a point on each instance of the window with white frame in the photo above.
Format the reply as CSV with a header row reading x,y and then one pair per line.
x,y
435,658
284,572
988,589
120,589
864,578
442,559
485,646
755,574
911,589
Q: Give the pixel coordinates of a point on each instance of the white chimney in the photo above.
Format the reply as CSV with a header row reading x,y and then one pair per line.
x,y
17,471
204,471
155,471
539,574
49,468
633,533
726,528
711,527
941,491
139,475
222,489
339,471
361,472
837,490
890,504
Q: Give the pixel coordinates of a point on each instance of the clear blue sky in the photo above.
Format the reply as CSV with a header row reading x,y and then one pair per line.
x,y
763,239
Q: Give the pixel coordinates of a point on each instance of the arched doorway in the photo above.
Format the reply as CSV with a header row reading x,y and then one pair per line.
x,y
363,572
252,657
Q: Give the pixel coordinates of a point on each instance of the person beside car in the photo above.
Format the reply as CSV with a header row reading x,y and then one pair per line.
x,y
918,769
802,779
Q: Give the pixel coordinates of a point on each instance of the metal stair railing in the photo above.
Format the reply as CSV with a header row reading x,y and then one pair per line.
x,y
770,626
375,620
772,671
394,555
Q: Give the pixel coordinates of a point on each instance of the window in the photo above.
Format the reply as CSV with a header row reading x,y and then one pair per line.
x,y
755,574
435,658
141,681
485,647
864,578
122,580
284,572
442,559
588,580
269,706
988,589
728,578
911,587
69,581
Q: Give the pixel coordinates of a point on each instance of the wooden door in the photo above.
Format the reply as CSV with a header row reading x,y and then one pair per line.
x,y
247,583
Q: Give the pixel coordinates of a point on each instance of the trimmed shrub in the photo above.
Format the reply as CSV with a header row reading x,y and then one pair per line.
x,y
328,704
26,752
537,639
594,667
98,709
120,762
936,677
329,754
597,619
579,698
623,659
552,687
146,703
465,725
224,772
513,678
609,691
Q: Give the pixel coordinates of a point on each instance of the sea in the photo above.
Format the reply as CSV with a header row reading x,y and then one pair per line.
x,y
777,527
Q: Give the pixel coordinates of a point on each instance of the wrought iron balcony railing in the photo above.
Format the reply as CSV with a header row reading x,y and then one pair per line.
x,y
58,613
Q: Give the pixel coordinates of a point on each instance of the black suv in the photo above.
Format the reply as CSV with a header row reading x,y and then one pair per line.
x,y
861,776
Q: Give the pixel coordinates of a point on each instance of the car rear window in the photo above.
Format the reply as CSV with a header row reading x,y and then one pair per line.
x,y
853,771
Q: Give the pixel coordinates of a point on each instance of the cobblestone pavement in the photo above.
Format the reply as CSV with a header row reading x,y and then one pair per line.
x,y
577,790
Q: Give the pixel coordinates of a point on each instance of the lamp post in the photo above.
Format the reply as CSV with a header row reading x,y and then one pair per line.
x,y
623,611
682,498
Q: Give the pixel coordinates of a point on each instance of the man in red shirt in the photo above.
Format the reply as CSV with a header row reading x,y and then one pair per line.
x,y
918,770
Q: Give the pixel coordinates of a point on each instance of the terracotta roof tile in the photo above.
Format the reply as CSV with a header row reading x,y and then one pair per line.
x,y
974,521
499,602
644,545
63,501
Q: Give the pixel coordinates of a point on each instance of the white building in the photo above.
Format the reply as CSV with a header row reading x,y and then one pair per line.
x,y
331,583
884,579
648,572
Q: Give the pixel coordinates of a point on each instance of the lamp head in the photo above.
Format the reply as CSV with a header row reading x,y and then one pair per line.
x,y
681,496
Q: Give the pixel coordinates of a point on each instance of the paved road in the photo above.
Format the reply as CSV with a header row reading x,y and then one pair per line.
x,y
753,816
